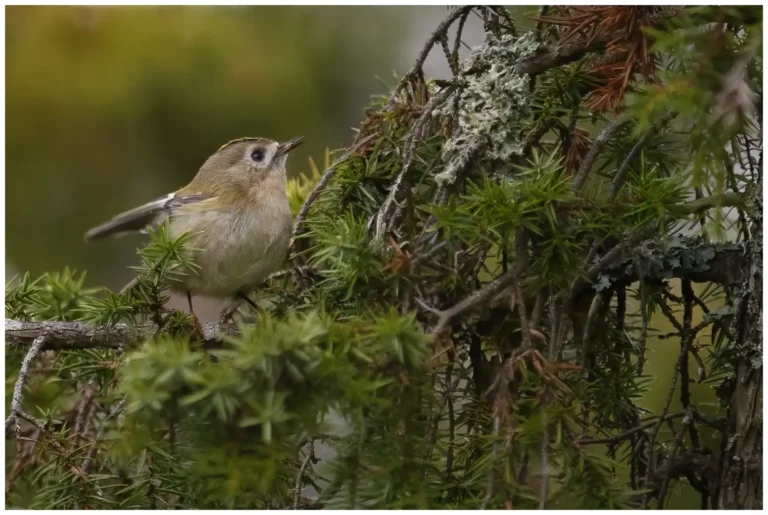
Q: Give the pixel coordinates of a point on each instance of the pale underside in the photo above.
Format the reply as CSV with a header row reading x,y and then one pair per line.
x,y
234,250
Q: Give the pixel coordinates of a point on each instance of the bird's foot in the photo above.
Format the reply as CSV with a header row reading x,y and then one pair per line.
x,y
197,333
228,313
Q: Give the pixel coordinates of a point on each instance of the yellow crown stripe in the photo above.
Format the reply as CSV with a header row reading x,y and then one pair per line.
x,y
238,140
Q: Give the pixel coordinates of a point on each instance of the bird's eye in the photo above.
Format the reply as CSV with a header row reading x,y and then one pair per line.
x,y
257,155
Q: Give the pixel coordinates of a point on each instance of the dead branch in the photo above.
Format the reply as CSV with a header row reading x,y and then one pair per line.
x,y
551,56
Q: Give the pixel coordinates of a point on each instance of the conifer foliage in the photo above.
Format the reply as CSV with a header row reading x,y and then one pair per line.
x,y
466,314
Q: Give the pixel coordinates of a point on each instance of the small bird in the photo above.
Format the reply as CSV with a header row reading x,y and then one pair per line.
x,y
236,212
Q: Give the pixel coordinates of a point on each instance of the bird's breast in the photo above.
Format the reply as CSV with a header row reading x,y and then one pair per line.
x,y
235,250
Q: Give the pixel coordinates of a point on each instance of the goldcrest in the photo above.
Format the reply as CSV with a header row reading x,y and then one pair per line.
x,y
236,212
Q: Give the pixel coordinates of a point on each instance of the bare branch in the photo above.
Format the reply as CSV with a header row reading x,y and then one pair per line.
x,y
476,299
18,389
626,434
383,217
589,160
79,335
440,32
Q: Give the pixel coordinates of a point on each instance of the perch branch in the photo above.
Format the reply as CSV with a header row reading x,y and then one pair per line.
x,y
79,335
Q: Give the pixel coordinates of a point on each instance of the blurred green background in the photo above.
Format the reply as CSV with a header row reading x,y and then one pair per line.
x,y
110,107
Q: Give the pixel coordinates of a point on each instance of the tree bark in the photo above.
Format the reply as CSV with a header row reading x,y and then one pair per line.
x,y
740,486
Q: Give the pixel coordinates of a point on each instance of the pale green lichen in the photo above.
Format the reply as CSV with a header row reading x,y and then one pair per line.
x,y
490,104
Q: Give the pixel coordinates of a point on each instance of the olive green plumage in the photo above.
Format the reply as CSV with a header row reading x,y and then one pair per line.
x,y
236,211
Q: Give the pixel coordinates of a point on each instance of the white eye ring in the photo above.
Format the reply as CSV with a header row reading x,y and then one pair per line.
x,y
257,155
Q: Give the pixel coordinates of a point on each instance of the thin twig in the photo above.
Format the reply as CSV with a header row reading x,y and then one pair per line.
x,y
457,41
300,476
586,332
591,157
491,478
626,434
521,255
439,33
451,415
84,412
115,411
423,257
657,427
43,430
383,218
621,174
686,342
544,488
538,309
476,299
609,258
454,66
671,459
667,312
18,389
644,328
540,23
556,313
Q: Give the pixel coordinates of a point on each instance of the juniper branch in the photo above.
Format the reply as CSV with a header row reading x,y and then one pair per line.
x,y
320,187
79,335
383,217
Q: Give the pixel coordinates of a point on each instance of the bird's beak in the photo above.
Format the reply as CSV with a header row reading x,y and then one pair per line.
x,y
284,148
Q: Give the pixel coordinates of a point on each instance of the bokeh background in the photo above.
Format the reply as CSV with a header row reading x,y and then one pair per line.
x,y
110,107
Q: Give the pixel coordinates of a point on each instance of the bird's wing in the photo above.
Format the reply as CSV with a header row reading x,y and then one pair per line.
x,y
143,216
